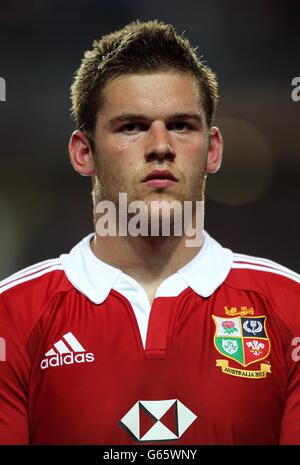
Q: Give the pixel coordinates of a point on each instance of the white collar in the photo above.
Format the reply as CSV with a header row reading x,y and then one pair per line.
x,y
95,278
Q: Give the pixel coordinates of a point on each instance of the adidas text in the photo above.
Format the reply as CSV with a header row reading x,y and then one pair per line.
x,y
68,359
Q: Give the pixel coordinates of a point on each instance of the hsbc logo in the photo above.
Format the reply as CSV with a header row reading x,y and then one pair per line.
x,y
157,420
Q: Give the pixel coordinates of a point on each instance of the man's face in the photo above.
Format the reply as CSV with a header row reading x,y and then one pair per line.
x,y
150,122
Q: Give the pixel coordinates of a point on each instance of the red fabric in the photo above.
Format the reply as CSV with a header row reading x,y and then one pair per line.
x,y
83,402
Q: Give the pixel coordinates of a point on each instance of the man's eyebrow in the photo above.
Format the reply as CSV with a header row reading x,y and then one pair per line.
x,y
184,116
139,116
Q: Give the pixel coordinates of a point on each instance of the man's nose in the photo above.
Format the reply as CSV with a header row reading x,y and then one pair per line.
x,y
159,143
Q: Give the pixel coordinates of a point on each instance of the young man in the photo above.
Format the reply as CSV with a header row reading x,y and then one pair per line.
x,y
134,338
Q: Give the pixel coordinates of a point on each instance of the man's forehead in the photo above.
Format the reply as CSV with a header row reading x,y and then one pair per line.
x,y
165,92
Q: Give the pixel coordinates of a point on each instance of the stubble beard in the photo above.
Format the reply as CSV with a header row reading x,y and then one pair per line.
x,y
106,187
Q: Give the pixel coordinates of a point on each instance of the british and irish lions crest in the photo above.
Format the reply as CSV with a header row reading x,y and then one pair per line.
x,y
244,340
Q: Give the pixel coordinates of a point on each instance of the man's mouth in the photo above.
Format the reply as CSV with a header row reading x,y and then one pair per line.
x,y
160,179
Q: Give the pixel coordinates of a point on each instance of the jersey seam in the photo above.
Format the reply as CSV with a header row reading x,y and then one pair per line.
x,y
43,313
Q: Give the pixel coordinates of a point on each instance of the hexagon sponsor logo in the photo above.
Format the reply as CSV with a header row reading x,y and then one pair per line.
x,y
157,420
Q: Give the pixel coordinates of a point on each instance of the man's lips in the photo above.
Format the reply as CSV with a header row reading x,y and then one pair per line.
x,y
160,174
160,179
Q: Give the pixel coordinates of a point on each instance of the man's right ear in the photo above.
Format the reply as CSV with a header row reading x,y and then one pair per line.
x,y
80,153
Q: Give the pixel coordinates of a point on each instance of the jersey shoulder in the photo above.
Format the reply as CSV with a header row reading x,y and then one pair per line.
x,y
277,285
40,277
28,293
262,273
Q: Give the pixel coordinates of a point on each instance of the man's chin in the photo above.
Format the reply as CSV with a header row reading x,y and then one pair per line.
x,y
160,195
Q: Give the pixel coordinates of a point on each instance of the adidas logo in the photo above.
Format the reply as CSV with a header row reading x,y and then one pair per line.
x,y
67,351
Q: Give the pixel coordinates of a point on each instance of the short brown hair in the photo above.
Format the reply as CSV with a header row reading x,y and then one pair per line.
x,y
140,47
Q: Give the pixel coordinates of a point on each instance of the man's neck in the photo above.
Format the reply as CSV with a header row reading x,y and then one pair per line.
x,y
149,260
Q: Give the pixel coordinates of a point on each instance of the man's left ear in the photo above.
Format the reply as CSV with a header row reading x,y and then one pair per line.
x,y
215,150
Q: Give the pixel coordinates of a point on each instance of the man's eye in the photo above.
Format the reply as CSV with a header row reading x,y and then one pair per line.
x,y
132,127
179,126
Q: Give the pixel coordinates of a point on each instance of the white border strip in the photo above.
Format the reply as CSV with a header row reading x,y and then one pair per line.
x,y
29,278
30,270
263,261
289,275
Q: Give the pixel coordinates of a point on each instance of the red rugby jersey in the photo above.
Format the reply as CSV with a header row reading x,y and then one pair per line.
x,y
85,359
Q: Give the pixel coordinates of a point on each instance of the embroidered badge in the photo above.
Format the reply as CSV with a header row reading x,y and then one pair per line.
x,y
244,340
233,311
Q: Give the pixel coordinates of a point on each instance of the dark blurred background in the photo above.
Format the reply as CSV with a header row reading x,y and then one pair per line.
x,y
252,204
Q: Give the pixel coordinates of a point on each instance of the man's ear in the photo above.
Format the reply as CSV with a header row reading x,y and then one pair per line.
x,y
215,150
80,153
